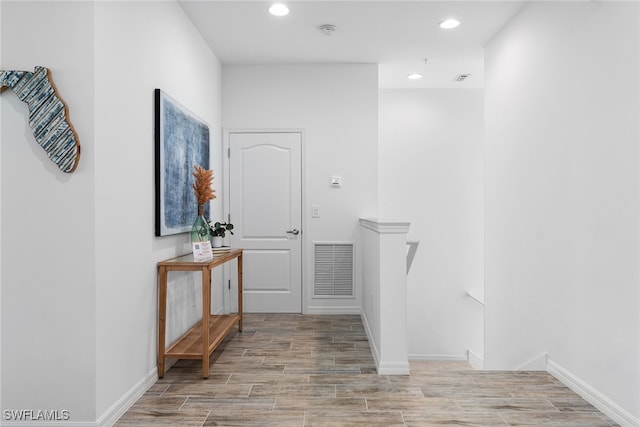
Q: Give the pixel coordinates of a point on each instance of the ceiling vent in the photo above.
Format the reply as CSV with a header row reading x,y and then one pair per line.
x,y
328,29
460,77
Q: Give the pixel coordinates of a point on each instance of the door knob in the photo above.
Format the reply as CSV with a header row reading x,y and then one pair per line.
x,y
295,231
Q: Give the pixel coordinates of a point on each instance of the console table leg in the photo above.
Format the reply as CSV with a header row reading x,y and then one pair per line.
x,y
162,316
240,292
206,314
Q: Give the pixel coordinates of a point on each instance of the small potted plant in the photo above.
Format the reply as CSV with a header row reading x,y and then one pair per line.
x,y
219,231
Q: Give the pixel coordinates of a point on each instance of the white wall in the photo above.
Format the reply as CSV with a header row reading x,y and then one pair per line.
x,y
48,242
431,174
336,106
1,155
562,194
155,46
79,307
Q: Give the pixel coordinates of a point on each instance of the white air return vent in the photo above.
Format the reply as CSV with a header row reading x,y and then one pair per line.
x,y
460,77
333,270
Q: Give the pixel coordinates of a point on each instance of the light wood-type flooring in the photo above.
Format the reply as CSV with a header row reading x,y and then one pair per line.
x,y
312,370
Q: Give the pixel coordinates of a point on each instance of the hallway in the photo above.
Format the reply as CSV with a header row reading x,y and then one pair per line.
x,y
314,370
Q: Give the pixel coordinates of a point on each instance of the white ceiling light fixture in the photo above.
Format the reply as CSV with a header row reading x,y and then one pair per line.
x,y
450,23
414,76
279,9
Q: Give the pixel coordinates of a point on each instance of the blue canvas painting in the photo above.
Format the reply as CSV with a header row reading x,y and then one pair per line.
x,y
182,141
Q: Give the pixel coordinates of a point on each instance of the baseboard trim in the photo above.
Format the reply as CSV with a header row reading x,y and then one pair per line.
x,y
383,368
540,363
372,343
123,404
593,396
333,310
394,369
440,357
475,360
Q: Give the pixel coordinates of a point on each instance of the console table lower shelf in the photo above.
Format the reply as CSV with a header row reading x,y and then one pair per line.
x,y
189,346
203,338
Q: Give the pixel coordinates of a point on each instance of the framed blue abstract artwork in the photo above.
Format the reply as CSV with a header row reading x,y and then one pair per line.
x,y
181,142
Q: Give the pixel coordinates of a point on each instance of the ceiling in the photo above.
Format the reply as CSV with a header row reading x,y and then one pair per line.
x,y
397,35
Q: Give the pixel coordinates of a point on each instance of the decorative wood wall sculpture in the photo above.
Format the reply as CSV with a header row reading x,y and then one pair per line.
x,y
48,115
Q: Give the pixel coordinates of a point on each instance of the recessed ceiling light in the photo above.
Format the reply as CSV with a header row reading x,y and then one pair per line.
x,y
447,24
279,9
414,76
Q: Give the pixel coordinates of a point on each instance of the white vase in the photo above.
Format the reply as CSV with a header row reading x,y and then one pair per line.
x,y
216,242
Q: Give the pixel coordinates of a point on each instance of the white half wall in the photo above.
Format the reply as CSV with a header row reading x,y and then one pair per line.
x,y
431,173
155,46
384,311
336,107
562,194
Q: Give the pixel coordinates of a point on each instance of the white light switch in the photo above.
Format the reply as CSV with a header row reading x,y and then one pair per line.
x,y
315,211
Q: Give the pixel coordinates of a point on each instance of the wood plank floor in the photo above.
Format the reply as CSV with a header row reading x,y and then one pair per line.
x,y
312,370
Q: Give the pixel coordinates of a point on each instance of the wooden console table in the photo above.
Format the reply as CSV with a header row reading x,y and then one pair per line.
x,y
200,341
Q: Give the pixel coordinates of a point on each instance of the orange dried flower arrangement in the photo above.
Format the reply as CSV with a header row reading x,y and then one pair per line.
x,y
202,185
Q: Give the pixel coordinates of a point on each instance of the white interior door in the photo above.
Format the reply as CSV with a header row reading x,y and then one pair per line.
x,y
265,204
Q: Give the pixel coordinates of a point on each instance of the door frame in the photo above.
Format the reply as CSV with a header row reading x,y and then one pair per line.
x,y
226,193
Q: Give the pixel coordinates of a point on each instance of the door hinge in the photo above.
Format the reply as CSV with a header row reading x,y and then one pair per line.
x,y
228,153
229,218
229,284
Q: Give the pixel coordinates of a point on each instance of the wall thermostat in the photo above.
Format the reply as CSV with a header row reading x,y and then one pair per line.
x,y
336,182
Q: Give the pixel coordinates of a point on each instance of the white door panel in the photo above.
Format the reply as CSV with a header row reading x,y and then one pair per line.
x,y
265,203
262,277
